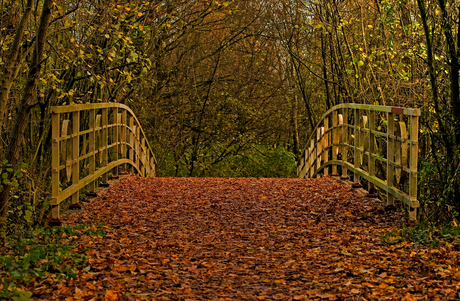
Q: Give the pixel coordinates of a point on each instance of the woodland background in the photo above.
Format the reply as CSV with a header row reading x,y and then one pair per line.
x,y
225,88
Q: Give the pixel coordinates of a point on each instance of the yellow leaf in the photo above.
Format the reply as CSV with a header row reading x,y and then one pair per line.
x,y
141,28
383,285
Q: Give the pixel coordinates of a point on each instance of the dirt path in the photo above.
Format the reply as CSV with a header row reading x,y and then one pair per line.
x,y
249,239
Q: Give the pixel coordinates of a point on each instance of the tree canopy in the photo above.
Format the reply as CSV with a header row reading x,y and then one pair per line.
x,y
225,88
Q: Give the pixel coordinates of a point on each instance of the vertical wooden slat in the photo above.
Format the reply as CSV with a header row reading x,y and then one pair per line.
x,y
413,164
318,150
344,141
131,138
92,147
116,138
390,156
104,142
145,159
76,154
138,152
356,152
98,139
312,157
371,146
335,140
326,145
123,137
55,166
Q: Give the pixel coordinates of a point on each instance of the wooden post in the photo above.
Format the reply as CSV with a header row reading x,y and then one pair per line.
x,y
98,139
116,136
390,156
75,154
138,152
326,145
344,142
105,142
92,148
131,138
144,159
312,157
371,158
318,151
356,150
335,141
413,165
123,138
55,155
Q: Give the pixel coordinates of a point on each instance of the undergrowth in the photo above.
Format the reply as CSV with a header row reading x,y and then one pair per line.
x,y
43,255
424,234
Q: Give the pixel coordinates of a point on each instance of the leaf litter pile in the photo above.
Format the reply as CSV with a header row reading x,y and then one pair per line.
x,y
248,239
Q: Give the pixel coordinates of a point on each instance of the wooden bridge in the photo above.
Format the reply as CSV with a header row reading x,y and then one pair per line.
x,y
372,145
247,238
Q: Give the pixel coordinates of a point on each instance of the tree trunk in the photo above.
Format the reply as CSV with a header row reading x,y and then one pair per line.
x,y
30,91
11,64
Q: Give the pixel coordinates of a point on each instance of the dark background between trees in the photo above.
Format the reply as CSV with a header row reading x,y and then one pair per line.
x,y
225,88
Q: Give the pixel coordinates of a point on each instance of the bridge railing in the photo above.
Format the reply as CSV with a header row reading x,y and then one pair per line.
x,y
91,141
376,143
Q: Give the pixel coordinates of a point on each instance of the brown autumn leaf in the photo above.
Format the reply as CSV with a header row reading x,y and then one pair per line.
x,y
110,296
217,238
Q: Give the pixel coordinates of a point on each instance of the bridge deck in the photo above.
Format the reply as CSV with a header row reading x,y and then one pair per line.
x,y
245,239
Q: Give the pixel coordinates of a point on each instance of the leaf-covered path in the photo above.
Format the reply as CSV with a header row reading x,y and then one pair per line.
x,y
249,239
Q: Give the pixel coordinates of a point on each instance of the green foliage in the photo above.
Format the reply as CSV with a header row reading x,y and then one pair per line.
x,y
256,160
10,176
45,254
424,234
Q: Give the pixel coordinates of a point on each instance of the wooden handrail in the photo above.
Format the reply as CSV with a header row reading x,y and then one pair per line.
x,y
91,140
377,143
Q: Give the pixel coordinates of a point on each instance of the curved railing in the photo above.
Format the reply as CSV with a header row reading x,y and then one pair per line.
x,y
90,141
375,143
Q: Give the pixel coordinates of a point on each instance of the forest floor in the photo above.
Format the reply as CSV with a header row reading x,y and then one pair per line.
x,y
248,239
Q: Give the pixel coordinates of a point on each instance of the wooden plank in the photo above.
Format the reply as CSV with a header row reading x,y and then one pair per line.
x,y
414,126
90,178
75,154
371,142
405,198
390,156
131,138
123,137
318,149
326,143
92,147
55,154
335,140
117,120
344,140
356,142
104,142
